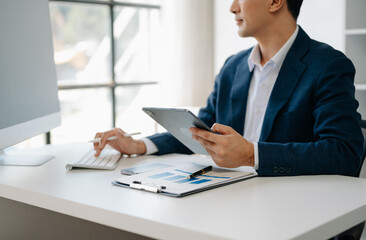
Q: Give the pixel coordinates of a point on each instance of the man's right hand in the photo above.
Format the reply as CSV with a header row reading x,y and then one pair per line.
x,y
123,144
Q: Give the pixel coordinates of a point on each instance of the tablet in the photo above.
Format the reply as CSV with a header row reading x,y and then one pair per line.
x,y
177,122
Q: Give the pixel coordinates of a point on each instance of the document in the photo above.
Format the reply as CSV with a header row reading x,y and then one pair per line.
x,y
174,181
144,168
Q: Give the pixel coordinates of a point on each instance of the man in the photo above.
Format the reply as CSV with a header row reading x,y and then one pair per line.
x,y
286,106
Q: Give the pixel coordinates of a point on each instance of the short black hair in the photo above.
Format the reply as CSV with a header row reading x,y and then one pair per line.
x,y
294,7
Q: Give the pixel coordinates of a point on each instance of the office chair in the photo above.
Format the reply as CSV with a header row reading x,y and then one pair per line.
x,y
355,232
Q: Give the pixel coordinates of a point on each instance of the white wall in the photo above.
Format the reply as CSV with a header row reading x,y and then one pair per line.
x,y
323,20
188,52
227,41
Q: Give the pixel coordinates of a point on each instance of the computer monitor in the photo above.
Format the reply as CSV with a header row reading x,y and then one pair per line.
x,y
29,102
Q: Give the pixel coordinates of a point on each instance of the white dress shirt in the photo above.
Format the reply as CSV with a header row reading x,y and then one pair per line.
x,y
261,86
151,148
263,80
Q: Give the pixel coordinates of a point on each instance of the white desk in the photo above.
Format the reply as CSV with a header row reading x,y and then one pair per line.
x,y
307,207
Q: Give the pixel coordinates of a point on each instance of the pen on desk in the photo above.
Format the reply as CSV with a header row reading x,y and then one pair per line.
x,y
200,172
114,137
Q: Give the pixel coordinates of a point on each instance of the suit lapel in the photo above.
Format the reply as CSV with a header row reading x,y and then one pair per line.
x,y
288,77
239,96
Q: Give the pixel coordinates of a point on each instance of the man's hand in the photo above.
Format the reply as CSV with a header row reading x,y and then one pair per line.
x,y
126,145
228,150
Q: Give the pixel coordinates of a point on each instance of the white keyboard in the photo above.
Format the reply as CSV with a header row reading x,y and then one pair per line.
x,y
107,160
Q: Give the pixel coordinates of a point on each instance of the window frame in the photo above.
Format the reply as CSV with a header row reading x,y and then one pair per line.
x,y
113,85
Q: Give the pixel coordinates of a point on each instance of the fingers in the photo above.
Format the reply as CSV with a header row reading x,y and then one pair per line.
x,y
212,154
228,149
99,146
222,129
120,130
204,142
212,137
219,162
209,136
96,144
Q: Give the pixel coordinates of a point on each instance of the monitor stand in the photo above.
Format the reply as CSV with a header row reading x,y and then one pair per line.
x,y
23,160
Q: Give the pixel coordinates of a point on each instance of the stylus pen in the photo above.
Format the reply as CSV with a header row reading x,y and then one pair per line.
x,y
200,172
114,137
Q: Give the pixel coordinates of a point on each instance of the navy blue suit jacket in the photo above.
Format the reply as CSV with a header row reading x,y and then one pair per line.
x,y
311,125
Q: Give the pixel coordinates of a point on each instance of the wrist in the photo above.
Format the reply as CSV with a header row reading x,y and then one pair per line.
x,y
141,147
251,160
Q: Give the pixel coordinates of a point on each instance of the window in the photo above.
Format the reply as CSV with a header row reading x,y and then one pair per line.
x,y
105,52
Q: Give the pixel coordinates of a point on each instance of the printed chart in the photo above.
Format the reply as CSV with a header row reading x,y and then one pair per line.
x,y
173,180
178,178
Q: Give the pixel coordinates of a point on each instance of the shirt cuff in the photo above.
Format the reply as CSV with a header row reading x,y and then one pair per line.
x,y
256,160
151,148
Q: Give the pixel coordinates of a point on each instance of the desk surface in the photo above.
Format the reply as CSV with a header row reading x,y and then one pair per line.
x,y
306,207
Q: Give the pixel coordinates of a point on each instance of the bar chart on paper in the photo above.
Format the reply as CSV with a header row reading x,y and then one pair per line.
x,y
179,176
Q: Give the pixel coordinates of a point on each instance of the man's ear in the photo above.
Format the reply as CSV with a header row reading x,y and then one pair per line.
x,y
276,5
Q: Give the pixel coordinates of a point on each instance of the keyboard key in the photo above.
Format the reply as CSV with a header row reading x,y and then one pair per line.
x,y
90,160
84,159
97,161
112,161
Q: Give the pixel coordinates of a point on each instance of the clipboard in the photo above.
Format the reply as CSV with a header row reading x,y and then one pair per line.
x,y
173,182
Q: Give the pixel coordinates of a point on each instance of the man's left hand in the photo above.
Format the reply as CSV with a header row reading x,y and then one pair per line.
x,y
229,149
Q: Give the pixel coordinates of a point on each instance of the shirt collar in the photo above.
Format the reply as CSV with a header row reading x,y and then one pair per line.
x,y
255,56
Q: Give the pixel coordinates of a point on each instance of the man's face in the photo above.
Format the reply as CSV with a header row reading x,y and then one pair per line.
x,y
251,16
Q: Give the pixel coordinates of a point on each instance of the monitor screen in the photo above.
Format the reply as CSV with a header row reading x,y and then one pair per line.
x,y
29,102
